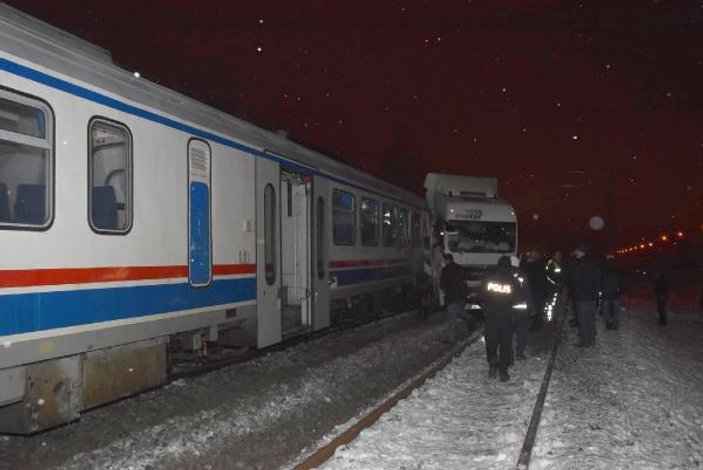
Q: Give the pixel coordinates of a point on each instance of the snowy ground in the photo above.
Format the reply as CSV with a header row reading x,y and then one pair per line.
x,y
260,414
460,419
635,400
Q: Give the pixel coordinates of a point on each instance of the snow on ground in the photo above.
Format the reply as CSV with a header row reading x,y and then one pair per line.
x,y
634,401
460,419
259,414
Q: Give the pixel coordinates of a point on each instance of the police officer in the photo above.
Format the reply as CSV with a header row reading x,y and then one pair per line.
x,y
500,293
523,312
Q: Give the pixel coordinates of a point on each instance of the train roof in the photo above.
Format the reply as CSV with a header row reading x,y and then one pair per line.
x,y
34,40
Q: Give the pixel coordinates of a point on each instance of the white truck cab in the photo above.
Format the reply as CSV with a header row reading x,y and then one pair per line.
x,y
471,222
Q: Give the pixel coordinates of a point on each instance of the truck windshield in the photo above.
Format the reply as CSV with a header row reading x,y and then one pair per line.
x,y
480,237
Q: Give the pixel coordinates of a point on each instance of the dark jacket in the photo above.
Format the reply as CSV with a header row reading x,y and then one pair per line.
x,y
610,281
500,291
525,290
661,288
537,274
584,279
451,281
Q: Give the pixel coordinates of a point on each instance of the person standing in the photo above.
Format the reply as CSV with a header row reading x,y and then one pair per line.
x,y
500,293
585,283
661,292
536,270
455,294
520,325
437,260
611,289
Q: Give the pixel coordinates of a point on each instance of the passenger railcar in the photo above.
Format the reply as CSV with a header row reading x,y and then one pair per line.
x,y
134,219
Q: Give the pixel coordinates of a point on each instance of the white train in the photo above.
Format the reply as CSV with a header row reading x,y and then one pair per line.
x,y
133,218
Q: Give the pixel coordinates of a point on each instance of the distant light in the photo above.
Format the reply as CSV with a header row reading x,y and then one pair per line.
x,y
575,137
651,244
261,21
679,234
137,74
642,246
259,49
535,216
664,238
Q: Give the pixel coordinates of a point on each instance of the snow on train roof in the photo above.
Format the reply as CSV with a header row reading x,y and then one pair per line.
x,y
31,39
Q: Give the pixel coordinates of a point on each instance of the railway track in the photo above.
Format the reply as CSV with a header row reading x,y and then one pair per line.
x,y
192,368
322,454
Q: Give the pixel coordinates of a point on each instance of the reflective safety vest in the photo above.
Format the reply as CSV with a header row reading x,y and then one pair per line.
x,y
553,271
500,294
499,288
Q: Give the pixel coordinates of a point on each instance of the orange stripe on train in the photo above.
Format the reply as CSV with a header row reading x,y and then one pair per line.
x,y
48,277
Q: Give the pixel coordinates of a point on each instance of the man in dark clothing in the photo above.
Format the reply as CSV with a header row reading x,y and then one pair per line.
x,y
500,293
455,293
522,315
536,270
661,291
585,282
611,289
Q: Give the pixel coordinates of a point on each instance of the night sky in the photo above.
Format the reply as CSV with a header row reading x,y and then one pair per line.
x,y
548,96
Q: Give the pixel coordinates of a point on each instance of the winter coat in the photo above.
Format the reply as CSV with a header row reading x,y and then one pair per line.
x,y
537,274
584,279
661,288
554,272
610,281
452,283
525,290
499,293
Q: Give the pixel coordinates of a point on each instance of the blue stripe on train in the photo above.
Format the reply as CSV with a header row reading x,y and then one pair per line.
x,y
81,92
355,276
22,313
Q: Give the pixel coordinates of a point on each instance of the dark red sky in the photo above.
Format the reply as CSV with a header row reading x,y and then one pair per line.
x,y
546,95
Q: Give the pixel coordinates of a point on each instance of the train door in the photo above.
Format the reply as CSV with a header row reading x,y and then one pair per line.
x,y
320,243
268,229
296,308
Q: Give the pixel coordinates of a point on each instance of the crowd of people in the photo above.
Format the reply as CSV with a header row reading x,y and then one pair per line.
x,y
516,295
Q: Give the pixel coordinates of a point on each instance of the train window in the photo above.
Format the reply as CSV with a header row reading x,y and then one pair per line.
x,y
110,170
390,225
26,162
369,222
270,234
320,239
199,220
403,226
343,217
